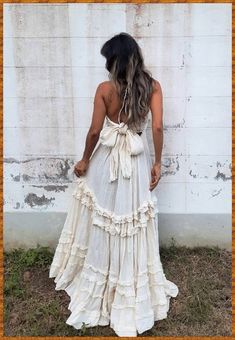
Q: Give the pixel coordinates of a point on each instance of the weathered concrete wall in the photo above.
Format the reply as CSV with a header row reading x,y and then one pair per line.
x,y
52,67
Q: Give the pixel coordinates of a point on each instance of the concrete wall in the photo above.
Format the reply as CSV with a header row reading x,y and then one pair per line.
x,y
52,67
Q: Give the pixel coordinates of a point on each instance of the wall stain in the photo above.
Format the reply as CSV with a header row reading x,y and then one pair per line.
x,y
194,193
219,175
182,65
56,188
11,160
191,174
51,169
26,178
63,174
194,175
216,193
17,206
222,176
150,23
64,169
137,19
177,164
171,163
33,200
179,125
15,178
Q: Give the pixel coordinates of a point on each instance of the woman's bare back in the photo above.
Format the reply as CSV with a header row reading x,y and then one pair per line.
x,y
112,102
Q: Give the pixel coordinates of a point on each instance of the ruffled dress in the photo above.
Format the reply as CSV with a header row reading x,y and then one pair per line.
x,y
107,257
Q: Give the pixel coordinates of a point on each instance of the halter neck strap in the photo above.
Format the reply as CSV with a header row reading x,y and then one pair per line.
x,y
122,106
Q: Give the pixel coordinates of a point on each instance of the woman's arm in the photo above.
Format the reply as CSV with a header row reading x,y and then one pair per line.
x,y
98,116
97,122
156,107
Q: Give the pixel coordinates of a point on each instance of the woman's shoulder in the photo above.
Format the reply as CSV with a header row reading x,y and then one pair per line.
x,y
109,85
106,85
106,89
156,85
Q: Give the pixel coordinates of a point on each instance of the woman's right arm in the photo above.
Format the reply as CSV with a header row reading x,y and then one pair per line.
x,y
156,107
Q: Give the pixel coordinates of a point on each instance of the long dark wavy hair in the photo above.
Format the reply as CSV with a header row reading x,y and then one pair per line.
x,y
125,63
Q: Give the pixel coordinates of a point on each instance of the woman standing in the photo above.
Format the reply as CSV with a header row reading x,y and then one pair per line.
x,y
107,258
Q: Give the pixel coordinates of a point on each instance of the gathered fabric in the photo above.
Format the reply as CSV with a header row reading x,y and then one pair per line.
x,y
124,143
109,264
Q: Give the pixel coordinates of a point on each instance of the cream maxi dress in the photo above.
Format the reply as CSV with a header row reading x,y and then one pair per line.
x,y
107,258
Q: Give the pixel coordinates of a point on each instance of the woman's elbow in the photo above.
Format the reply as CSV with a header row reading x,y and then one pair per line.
x,y
157,128
94,133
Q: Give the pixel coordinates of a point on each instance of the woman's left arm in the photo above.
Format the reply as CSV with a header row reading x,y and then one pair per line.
x,y
98,116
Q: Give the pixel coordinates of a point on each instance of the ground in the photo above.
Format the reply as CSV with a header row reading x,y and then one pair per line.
x,y
203,306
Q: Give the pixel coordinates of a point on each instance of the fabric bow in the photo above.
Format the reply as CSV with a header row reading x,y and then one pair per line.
x,y
124,143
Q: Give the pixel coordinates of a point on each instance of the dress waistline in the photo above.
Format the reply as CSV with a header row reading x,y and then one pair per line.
x,y
124,143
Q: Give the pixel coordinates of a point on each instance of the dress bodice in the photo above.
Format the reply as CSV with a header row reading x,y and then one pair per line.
x,y
139,128
124,143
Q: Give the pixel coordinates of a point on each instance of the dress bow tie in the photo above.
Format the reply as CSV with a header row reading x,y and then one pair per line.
x,y
124,143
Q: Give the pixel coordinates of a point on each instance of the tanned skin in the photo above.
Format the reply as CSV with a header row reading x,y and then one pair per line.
x,y
104,94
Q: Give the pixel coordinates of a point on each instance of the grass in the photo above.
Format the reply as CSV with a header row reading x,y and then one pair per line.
x,y
203,306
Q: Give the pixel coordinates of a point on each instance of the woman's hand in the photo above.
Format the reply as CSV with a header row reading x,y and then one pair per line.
x,y
155,175
81,167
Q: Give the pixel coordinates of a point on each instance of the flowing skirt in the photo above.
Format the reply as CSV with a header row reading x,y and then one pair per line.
x,y
107,258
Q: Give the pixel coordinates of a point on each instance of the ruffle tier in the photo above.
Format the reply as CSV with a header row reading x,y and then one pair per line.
x,y
110,266
123,225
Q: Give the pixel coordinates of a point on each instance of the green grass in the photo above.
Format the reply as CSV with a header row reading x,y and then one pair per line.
x,y
19,260
32,307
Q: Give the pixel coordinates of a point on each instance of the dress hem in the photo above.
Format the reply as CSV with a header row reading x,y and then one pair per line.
x,y
145,297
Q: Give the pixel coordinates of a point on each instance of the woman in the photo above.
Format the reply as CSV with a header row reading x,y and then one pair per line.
x,y
107,258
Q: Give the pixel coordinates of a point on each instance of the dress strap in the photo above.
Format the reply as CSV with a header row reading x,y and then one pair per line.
x,y
122,106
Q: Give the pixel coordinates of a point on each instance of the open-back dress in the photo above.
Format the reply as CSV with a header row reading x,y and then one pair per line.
x,y
107,257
